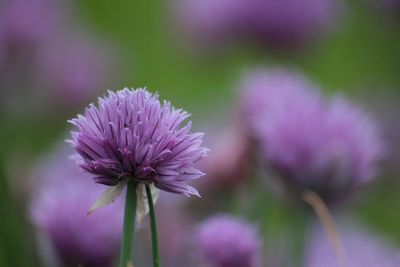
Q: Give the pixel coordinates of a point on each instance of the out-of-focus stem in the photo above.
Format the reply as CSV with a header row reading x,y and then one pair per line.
x,y
327,222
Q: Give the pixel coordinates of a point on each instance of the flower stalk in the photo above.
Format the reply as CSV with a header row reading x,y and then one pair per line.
x,y
327,222
129,225
153,222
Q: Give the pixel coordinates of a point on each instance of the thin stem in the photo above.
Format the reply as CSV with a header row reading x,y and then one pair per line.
x,y
327,221
298,229
129,225
154,235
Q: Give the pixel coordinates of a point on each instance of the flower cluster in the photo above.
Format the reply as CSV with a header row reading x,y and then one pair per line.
x,y
331,147
45,62
283,24
225,241
132,136
228,167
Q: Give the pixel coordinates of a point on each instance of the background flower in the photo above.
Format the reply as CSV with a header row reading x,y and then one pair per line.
x,y
228,166
224,241
72,71
59,210
278,24
330,146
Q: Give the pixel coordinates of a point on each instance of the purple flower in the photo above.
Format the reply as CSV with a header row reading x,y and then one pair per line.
x,y
25,25
275,91
132,136
71,69
211,22
361,248
229,165
225,241
289,23
331,147
284,23
59,208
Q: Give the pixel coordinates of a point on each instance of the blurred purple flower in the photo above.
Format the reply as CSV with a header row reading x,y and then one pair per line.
x,y
289,23
131,135
59,210
229,165
225,241
46,63
24,25
211,22
71,71
284,23
275,91
330,147
361,249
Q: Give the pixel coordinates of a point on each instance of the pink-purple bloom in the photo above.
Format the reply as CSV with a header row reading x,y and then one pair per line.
x,y
360,249
210,22
229,165
45,61
24,26
284,23
59,209
225,241
26,23
132,136
290,23
327,145
71,70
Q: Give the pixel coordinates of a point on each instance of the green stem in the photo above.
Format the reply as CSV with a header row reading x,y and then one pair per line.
x,y
129,225
298,230
154,236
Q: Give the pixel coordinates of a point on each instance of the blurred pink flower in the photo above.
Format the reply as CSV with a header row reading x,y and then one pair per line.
x,y
229,164
210,22
59,209
279,24
332,147
73,71
25,25
290,23
225,241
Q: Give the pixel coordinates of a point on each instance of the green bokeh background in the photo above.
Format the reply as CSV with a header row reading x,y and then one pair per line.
x,y
360,58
